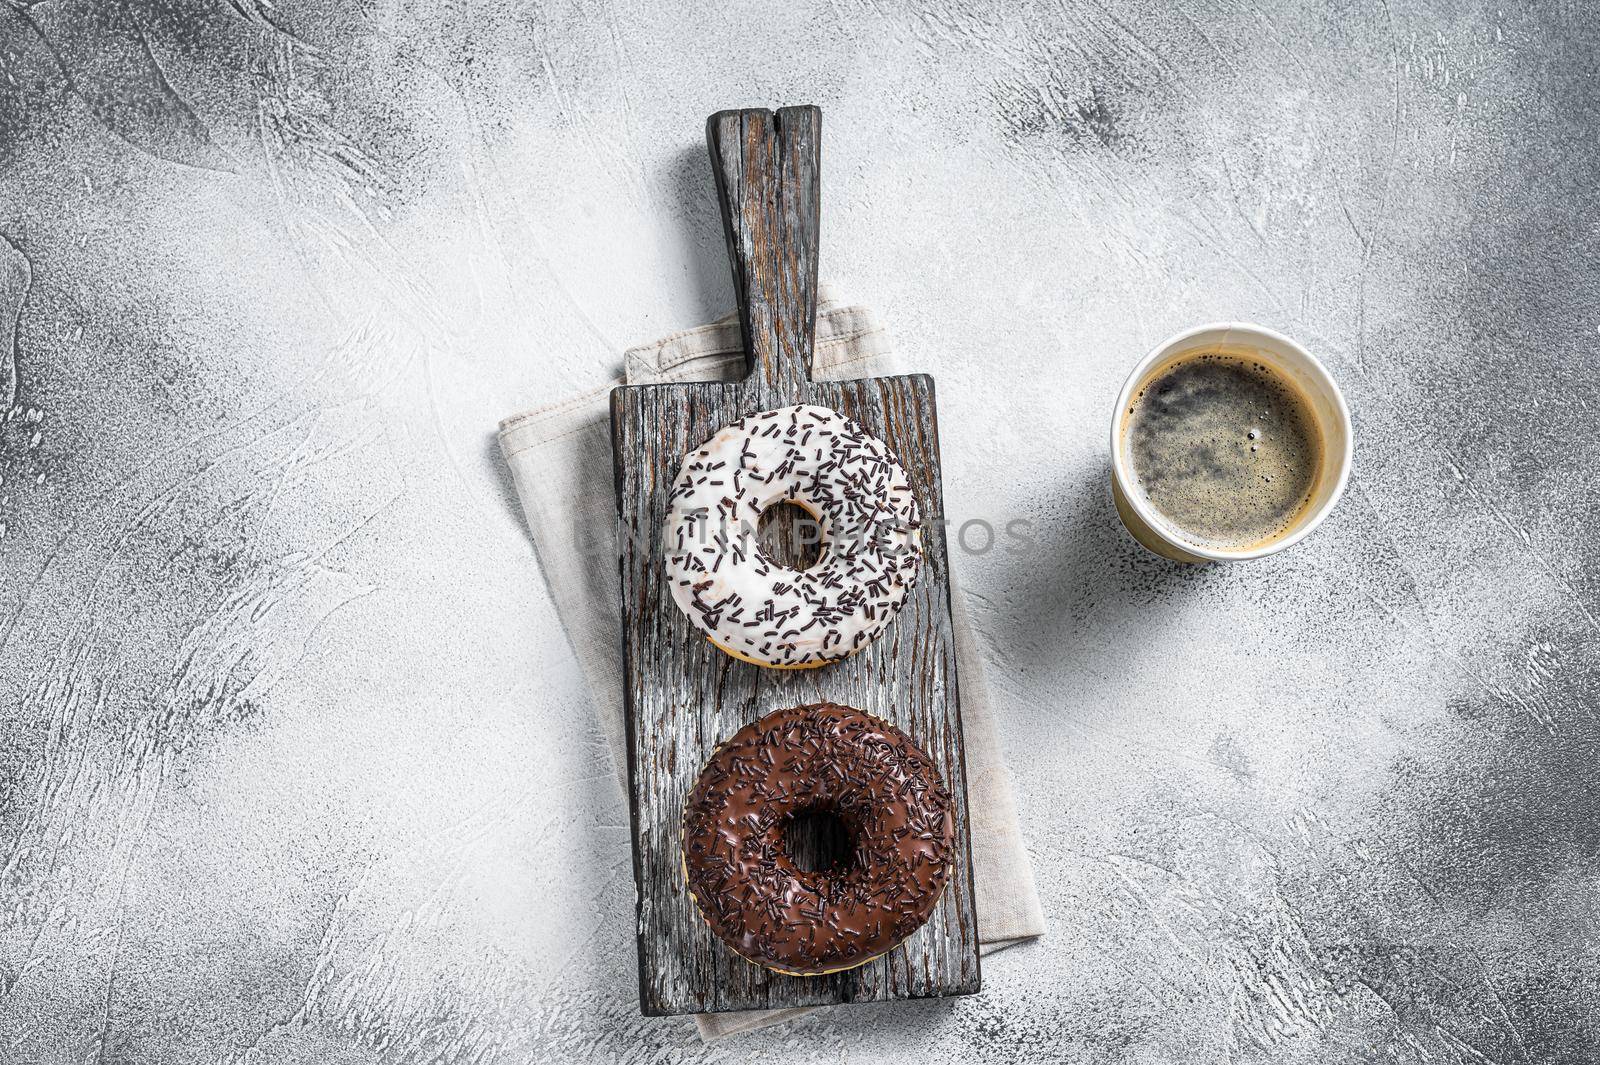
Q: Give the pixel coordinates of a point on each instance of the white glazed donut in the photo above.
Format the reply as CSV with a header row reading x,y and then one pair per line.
x,y
749,605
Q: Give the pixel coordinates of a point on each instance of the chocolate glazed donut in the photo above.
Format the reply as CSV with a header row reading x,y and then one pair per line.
x,y
822,758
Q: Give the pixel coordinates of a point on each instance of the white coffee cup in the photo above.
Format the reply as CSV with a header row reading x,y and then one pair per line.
x,y
1288,359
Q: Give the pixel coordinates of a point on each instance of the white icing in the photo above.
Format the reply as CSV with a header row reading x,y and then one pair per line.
x,y
871,537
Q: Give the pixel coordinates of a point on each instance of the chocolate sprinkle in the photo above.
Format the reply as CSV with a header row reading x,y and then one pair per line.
x,y
820,757
869,520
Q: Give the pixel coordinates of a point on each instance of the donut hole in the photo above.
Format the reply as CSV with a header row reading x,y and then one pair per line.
x,y
790,535
817,840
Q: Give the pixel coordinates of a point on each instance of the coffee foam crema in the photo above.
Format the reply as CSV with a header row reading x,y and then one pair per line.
x,y
1223,448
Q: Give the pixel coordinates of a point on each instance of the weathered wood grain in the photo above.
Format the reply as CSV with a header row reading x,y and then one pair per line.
x,y
684,695
768,170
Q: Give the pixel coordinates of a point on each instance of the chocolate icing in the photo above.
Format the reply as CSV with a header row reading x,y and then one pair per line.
x,y
822,757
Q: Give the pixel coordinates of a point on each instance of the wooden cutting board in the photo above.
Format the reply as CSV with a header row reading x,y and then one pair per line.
x,y
684,696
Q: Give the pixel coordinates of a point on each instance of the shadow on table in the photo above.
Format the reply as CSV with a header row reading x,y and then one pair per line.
x,y
692,201
1082,585
504,485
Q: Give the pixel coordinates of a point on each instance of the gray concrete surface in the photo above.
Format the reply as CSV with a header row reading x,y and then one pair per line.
x,y
295,763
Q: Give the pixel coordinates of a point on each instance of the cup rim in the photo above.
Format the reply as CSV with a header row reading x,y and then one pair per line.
x,y
1147,514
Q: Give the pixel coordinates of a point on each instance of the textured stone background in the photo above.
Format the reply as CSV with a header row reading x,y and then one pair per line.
x,y
295,763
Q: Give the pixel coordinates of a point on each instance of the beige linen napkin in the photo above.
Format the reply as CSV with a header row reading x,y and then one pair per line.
x,y
560,456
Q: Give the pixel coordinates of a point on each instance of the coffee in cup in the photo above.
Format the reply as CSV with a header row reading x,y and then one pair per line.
x,y
1229,442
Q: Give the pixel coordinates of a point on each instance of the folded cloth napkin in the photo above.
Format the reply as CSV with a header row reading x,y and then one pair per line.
x,y
560,456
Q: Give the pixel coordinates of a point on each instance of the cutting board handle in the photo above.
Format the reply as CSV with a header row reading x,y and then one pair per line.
x,y
767,166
